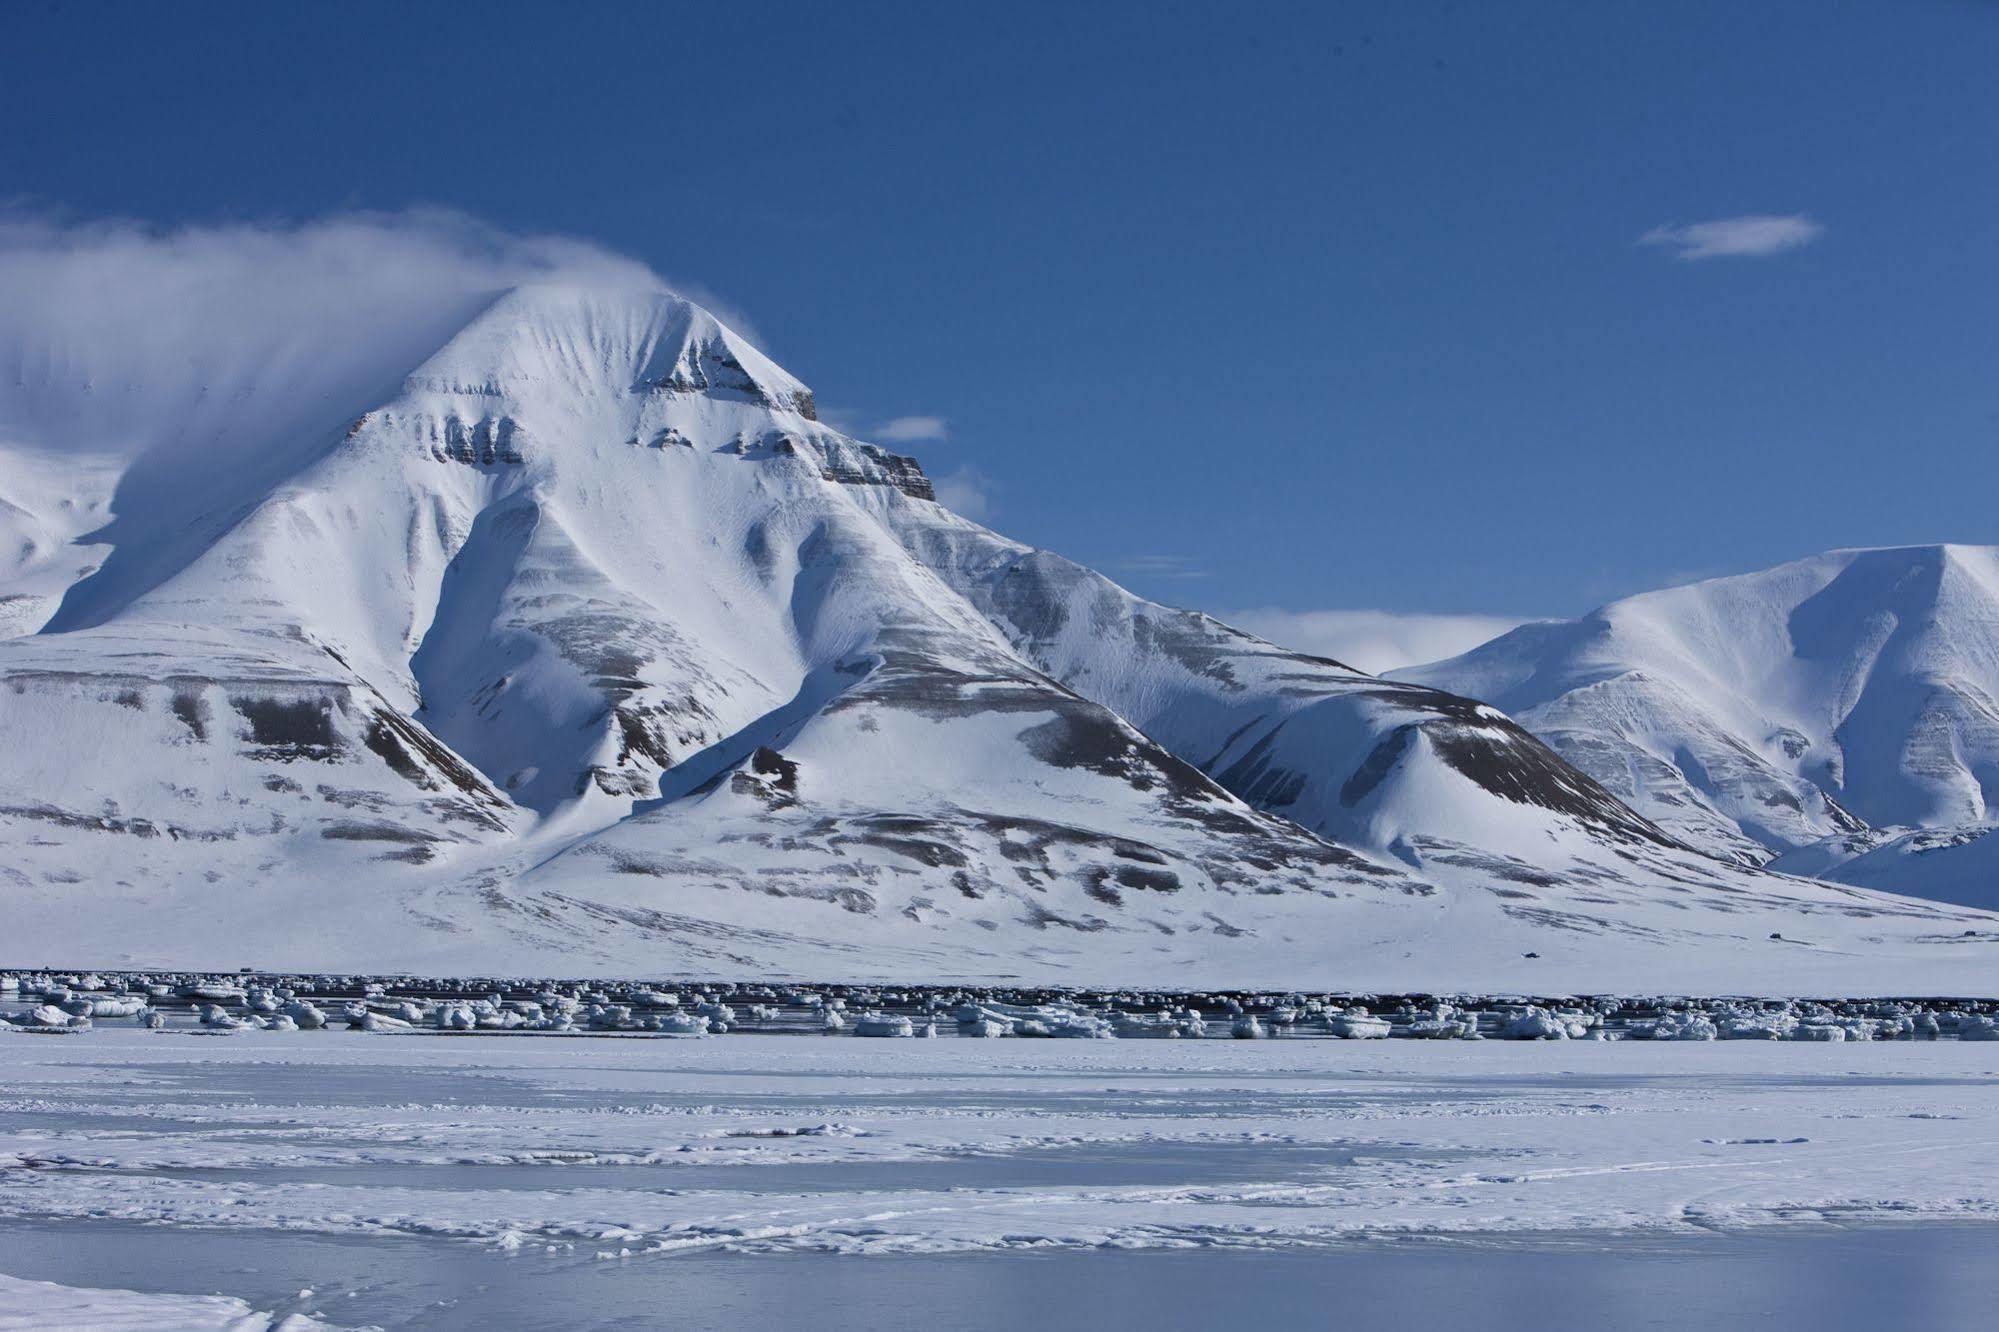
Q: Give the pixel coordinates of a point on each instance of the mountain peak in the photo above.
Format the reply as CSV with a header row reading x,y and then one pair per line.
x,y
1765,711
577,338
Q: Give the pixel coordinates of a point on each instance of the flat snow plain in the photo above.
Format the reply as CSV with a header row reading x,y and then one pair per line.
x,y
263,1179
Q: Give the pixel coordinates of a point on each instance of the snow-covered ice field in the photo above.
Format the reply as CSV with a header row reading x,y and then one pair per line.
x,y
467,1181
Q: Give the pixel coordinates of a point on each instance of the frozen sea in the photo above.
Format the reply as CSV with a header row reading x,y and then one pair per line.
x,y
349,1179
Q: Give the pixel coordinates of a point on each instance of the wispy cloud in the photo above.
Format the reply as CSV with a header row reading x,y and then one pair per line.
x,y
127,332
1162,566
911,429
965,490
1372,640
1751,236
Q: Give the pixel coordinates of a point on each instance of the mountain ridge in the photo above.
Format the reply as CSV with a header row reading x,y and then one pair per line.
x,y
1776,716
591,648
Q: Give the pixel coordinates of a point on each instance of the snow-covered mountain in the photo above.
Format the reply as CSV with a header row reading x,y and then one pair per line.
x,y
1809,716
577,644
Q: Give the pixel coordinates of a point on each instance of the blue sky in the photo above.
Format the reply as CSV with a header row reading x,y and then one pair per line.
x,y
1315,307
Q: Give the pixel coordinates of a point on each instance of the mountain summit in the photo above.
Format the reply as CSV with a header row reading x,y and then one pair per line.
x,y
1813,711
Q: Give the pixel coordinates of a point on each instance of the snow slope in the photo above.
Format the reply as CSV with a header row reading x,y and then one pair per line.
x,y
1352,757
1959,865
1819,702
583,646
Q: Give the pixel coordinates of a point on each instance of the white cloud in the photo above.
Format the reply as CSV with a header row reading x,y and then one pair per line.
x,y
911,429
1374,641
1751,236
966,491
128,335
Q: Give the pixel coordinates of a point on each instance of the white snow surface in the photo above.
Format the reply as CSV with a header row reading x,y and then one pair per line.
x,y
581,647
46,1306
1809,712
773,1143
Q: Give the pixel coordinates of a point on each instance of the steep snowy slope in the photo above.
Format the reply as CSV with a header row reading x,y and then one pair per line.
x,y
1958,865
586,648
595,540
1760,714
48,505
1355,758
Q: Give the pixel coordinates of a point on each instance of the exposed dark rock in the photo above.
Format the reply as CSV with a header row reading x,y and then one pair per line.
x,y
415,753
287,729
781,771
1261,782
711,368
870,465
351,831
1504,759
770,777
192,711
1149,880
487,442
64,818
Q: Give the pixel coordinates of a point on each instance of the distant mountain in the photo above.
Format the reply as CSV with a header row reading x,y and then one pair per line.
x,y
579,645
1812,712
